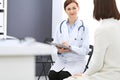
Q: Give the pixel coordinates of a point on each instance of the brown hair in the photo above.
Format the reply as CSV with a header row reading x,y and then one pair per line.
x,y
67,2
105,9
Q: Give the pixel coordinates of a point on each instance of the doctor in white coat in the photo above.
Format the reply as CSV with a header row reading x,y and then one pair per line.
x,y
73,34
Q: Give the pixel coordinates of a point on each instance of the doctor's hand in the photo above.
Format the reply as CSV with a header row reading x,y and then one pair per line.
x,y
65,44
62,50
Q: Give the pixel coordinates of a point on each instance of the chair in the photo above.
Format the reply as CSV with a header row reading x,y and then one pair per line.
x,y
91,48
45,61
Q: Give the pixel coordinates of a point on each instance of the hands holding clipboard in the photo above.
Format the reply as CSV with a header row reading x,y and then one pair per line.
x,y
64,47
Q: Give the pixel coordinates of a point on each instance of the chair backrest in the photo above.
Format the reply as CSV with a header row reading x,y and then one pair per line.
x,y
91,48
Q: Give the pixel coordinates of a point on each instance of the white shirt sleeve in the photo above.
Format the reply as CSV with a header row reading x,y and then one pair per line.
x,y
100,47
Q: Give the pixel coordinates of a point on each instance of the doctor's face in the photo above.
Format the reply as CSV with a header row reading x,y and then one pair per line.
x,y
72,10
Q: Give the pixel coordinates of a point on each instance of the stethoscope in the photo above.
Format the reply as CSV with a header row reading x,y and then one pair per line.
x,y
81,26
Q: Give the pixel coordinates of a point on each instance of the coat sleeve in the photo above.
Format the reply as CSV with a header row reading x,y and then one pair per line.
x,y
56,33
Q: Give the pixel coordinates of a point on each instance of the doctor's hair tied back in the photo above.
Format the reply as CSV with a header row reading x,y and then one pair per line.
x,y
67,2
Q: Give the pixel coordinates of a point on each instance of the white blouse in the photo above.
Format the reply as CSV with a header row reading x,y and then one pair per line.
x,y
106,55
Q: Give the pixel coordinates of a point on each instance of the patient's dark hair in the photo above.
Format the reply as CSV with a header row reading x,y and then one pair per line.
x,y
104,9
67,2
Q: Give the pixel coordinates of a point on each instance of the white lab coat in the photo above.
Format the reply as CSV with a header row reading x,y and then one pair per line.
x,y
75,61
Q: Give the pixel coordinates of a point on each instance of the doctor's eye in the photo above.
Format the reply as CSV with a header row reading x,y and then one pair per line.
x,y
73,8
68,9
